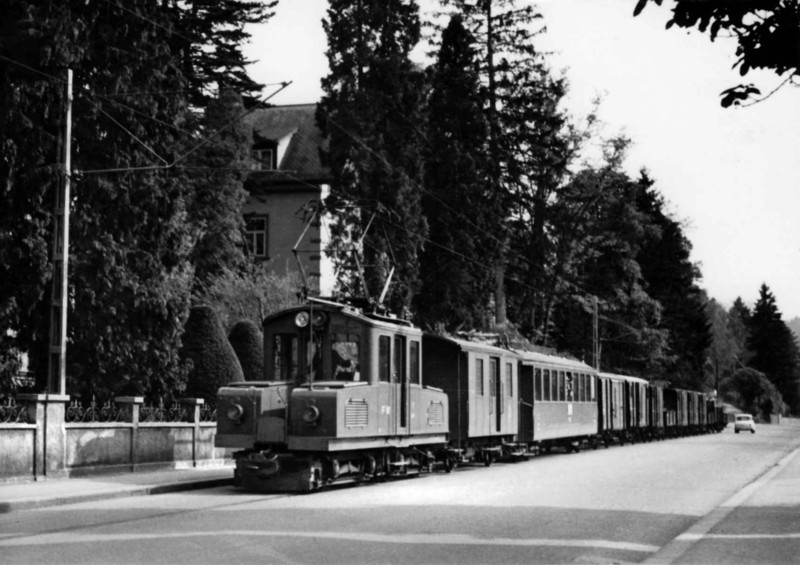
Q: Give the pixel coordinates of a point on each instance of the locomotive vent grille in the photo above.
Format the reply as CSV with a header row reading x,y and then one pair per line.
x,y
356,413
436,413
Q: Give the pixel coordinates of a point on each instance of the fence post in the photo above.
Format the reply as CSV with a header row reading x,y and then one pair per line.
x,y
129,408
50,446
194,404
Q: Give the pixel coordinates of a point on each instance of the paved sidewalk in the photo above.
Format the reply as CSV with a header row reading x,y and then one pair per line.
x,y
55,492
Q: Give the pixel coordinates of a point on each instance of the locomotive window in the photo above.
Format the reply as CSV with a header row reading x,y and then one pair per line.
x,y
537,384
346,366
284,356
562,390
384,358
479,377
547,388
414,362
509,379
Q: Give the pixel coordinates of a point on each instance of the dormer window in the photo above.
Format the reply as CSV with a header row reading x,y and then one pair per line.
x,y
263,159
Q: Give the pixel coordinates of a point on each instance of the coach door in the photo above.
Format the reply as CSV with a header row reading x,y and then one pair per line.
x,y
496,390
400,380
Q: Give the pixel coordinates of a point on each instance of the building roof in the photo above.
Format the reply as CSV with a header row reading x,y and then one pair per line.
x,y
301,160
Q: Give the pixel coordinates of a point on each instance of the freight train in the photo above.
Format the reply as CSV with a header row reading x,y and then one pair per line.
x,y
350,395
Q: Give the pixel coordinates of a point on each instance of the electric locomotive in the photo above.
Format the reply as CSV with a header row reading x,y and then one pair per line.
x,y
343,400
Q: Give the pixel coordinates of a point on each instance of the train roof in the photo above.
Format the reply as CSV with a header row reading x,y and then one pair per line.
x,y
468,345
561,362
628,378
375,319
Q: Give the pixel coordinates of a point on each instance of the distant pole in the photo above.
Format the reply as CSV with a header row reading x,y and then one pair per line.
x,y
595,334
57,373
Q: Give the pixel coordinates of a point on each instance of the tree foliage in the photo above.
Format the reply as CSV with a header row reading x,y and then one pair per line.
x,y
767,34
371,111
775,351
455,272
132,230
753,393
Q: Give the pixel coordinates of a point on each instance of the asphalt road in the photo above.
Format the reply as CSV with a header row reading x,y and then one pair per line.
x,y
722,498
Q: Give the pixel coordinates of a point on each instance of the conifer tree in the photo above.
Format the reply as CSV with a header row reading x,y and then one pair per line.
x,y
525,150
219,168
213,361
775,352
456,276
371,112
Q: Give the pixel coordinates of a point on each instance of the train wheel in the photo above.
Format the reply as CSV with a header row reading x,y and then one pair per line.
x,y
314,476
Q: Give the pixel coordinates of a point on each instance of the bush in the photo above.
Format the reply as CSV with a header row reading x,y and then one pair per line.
x,y
248,343
214,363
252,293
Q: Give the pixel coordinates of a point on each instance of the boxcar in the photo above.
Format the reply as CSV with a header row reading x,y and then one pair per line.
x,y
480,381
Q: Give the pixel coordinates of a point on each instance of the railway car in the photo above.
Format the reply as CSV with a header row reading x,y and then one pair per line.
x,y
481,383
343,400
557,402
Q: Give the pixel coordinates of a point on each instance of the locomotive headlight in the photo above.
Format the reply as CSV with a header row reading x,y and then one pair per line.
x,y
301,320
310,414
235,413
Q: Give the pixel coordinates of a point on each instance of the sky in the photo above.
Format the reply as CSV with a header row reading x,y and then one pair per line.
x,y
731,176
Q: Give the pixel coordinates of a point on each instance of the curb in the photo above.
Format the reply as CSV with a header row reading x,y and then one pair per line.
x,y
146,490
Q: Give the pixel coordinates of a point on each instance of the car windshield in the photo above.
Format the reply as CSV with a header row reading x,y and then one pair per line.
x,y
744,417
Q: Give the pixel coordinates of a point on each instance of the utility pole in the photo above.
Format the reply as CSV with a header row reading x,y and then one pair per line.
x,y
56,373
595,334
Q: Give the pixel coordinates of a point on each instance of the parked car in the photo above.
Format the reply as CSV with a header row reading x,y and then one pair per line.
x,y
744,423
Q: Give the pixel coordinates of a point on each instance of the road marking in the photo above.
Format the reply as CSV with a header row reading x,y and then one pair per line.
x,y
696,537
681,544
411,539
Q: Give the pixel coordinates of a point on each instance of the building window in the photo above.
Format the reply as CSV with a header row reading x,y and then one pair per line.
x,y
256,235
263,160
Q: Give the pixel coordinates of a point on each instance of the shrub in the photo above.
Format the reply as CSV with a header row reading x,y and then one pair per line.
x,y
214,363
248,343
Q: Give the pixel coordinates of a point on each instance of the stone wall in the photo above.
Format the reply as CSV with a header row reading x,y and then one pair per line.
x,y
39,441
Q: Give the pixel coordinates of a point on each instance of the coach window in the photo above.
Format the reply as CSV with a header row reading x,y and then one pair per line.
x,y
384,358
560,391
571,388
479,387
509,379
547,389
537,384
413,362
580,391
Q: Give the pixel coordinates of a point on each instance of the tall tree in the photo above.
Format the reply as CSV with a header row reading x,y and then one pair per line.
x,y
671,278
723,353
518,92
775,352
601,233
371,111
456,278
219,168
209,35
767,33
